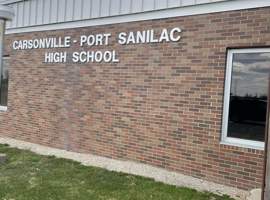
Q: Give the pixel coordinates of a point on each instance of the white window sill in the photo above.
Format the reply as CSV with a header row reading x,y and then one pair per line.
x,y
243,143
3,108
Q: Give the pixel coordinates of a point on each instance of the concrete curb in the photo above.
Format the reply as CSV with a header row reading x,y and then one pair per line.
x,y
129,167
255,194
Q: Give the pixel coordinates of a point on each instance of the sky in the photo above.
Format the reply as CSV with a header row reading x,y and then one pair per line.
x,y
250,74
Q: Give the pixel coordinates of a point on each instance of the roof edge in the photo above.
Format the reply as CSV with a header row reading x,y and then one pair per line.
x,y
215,7
6,12
5,2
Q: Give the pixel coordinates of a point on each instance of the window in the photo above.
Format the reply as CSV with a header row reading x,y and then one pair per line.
x,y
3,69
245,97
4,84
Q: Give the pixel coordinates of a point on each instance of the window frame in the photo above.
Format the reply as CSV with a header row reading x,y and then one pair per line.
x,y
4,108
225,139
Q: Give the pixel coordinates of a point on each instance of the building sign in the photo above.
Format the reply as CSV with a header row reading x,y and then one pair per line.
x,y
95,40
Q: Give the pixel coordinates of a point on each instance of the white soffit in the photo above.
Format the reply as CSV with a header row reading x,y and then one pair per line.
x,y
221,6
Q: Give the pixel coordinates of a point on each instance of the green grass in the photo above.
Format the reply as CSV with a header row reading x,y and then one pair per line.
x,y
28,176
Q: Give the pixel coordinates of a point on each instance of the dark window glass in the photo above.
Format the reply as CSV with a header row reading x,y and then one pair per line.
x,y
4,82
248,96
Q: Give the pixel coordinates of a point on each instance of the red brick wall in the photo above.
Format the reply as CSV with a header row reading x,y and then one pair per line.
x,y
161,105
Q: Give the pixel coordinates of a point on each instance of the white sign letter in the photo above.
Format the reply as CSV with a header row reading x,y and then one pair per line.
x,y
172,34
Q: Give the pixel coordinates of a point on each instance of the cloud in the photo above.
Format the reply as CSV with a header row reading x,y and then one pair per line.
x,y
250,74
265,55
250,58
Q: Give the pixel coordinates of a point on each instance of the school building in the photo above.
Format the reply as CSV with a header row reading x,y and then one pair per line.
x,y
178,85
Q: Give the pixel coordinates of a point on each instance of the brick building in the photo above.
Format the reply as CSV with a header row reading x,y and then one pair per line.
x,y
178,85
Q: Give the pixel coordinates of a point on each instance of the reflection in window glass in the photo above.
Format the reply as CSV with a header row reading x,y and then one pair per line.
x,y
4,82
248,96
